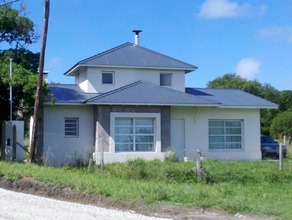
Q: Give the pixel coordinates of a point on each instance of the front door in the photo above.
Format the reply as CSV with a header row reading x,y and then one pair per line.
x,y
178,137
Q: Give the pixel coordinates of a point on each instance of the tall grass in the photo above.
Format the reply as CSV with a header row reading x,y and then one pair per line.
x,y
248,187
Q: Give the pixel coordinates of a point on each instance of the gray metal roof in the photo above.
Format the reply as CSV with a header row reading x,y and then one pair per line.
x,y
66,94
131,55
144,93
232,98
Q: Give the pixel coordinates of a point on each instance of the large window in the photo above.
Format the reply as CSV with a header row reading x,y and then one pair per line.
x,y
71,127
134,134
107,78
165,79
225,134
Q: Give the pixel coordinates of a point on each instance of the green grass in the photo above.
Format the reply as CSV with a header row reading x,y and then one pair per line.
x,y
254,187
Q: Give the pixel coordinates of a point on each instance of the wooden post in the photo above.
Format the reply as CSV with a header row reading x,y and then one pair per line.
x,y
3,144
14,143
39,84
281,156
101,154
198,164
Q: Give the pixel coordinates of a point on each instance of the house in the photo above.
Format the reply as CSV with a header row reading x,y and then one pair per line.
x,y
131,102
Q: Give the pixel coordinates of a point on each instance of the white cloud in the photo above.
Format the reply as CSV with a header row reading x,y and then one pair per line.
x,y
227,9
277,33
248,68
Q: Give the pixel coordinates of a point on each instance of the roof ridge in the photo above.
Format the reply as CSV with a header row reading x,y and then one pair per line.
x,y
114,91
104,52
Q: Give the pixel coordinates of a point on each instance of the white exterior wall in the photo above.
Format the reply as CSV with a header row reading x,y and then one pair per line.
x,y
122,77
84,80
196,131
59,149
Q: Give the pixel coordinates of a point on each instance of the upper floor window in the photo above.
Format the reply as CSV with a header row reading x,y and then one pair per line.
x,y
71,127
225,134
107,77
165,79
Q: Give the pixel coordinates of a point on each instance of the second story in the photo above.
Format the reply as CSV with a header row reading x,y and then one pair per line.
x,y
126,64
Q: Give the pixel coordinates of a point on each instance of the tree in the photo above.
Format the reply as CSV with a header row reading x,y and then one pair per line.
x,y
16,29
282,125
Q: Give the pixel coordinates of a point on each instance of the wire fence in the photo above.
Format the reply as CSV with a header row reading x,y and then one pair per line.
x,y
55,149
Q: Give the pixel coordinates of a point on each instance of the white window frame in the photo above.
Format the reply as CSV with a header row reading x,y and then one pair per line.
x,y
76,128
108,72
225,135
156,133
161,83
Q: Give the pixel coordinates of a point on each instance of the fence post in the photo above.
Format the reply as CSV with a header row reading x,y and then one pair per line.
x,y
14,143
3,144
281,156
101,154
198,163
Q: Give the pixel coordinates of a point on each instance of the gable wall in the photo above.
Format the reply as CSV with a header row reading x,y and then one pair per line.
x,y
124,77
59,149
196,131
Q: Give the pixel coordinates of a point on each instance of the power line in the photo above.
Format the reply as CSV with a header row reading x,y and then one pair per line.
x,y
9,3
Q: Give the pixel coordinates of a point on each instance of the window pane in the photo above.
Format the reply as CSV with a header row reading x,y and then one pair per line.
x,y
144,147
124,130
124,121
144,139
143,130
215,123
165,79
233,130
144,121
233,138
216,139
216,146
216,130
124,138
124,147
233,123
107,78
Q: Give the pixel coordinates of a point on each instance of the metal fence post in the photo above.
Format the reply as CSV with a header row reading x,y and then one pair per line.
x,y
281,156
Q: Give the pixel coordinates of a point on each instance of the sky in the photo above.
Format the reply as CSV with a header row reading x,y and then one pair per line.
x,y
252,39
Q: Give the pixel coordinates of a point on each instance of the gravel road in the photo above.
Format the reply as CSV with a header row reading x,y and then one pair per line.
x,y
15,205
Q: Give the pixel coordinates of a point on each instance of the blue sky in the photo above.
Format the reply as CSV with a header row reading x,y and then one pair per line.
x,y
250,38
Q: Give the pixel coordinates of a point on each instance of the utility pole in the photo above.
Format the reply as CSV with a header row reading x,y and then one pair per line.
x,y
10,88
39,84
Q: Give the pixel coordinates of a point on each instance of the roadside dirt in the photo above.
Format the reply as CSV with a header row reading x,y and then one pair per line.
x,y
29,185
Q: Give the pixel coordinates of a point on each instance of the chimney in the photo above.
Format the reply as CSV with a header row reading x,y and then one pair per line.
x,y
137,36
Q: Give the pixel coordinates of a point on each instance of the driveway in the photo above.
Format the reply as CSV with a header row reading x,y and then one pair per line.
x,y
15,205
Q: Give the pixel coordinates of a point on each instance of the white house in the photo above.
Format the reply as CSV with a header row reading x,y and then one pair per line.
x,y
131,102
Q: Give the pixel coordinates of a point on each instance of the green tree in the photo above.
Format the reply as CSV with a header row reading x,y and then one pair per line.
x,y
16,29
282,125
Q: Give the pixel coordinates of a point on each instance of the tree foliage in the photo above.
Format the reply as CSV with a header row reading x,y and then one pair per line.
x,y
16,29
282,125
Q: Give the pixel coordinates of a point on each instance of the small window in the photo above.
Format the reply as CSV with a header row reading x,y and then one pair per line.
x,y
165,79
71,127
107,78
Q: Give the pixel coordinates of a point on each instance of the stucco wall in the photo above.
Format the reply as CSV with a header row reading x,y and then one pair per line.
x,y
59,149
196,131
124,77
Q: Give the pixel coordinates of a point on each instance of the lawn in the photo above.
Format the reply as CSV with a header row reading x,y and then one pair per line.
x,y
250,187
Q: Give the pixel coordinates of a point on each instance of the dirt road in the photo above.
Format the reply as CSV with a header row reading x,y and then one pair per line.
x,y
16,205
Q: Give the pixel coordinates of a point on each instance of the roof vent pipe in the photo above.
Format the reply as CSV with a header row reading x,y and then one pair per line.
x,y
137,36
